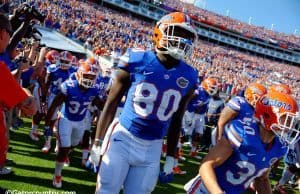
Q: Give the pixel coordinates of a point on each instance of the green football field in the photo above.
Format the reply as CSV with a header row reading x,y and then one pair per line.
x,y
33,170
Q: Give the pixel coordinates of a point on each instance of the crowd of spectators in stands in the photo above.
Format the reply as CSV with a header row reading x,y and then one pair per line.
x,y
235,69
104,31
100,28
225,22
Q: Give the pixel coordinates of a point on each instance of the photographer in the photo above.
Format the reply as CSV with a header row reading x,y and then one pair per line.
x,y
14,95
4,6
22,25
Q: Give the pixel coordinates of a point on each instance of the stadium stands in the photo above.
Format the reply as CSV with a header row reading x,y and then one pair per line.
x,y
108,30
227,23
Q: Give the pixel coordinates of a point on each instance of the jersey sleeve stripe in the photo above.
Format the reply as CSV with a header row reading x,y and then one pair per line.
x,y
233,106
64,89
234,139
192,186
236,135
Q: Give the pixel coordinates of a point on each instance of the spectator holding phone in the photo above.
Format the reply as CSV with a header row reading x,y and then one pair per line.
x,y
14,95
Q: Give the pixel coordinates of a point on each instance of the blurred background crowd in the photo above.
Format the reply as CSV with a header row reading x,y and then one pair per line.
x,y
106,32
225,22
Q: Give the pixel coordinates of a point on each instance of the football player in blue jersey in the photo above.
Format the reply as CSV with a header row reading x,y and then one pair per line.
x,y
249,147
52,57
193,126
75,95
240,107
93,113
159,86
208,88
291,168
193,123
214,108
56,74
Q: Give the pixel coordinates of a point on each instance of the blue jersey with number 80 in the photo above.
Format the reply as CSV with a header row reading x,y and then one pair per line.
x,y
154,94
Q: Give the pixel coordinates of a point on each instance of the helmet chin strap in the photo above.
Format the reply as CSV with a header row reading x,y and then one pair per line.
x,y
161,51
176,53
267,136
261,121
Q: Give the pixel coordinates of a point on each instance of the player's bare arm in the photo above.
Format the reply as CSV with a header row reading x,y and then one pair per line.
x,y
227,114
174,129
47,84
118,89
216,156
58,100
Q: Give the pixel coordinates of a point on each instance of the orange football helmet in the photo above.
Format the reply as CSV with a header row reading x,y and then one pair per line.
x,y
92,61
168,41
95,63
52,56
253,92
279,112
210,85
87,75
283,88
65,59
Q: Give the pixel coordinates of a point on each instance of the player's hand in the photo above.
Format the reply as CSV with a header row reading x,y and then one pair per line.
x,y
47,131
167,175
28,106
94,158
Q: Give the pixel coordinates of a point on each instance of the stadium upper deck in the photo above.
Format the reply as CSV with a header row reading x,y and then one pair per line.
x,y
105,30
290,41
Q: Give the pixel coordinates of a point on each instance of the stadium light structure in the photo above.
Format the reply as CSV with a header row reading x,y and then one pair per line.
x,y
249,20
227,12
295,31
272,26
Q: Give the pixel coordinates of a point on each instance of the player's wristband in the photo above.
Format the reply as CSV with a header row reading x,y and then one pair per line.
x,y
100,141
222,192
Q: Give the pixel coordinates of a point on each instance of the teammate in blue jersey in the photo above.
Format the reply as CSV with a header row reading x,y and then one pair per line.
x,y
291,168
159,86
194,118
249,147
75,95
193,123
103,85
52,57
239,107
56,75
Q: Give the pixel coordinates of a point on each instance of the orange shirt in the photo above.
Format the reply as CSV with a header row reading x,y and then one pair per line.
x,y
11,92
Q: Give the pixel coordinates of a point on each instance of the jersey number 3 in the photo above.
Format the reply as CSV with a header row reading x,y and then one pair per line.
x,y
246,175
145,97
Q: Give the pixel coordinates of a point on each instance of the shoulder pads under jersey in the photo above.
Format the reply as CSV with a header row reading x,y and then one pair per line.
x,y
52,68
132,56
